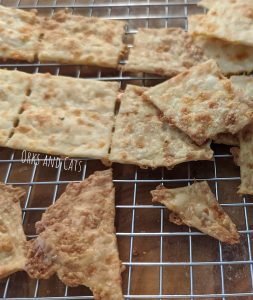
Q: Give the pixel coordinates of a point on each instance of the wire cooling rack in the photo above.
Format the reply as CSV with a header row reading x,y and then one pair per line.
x,y
163,261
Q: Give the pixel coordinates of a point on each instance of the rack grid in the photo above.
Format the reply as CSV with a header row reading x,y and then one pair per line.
x,y
163,261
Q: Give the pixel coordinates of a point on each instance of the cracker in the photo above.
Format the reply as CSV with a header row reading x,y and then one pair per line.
x,y
142,139
196,206
12,237
229,20
81,40
77,239
231,58
19,34
14,86
64,116
202,103
165,51
66,92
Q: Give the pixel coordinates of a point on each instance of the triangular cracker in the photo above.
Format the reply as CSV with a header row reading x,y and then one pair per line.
x,y
19,34
202,102
14,86
141,138
230,20
196,206
231,58
12,237
82,40
77,239
67,116
165,51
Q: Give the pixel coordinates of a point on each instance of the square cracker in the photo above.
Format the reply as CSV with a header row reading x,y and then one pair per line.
x,y
230,20
202,102
165,51
14,86
19,34
12,237
64,116
82,40
142,139
196,206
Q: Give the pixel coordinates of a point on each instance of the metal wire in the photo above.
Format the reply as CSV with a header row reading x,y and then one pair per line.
x,y
126,10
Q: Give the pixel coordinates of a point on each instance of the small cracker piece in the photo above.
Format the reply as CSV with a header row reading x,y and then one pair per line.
x,y
165,51
77,239
12,237
142,139
14,86
82,40
196,206
202,103
231,58
66,116
229,20
19,34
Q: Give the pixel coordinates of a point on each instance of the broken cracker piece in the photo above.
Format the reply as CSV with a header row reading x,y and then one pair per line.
x,y
196,206
12,237
77,239
202,102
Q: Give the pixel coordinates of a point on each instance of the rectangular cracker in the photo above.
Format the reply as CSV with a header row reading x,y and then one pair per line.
x,y
165,51
66,92
66,116
81,40
142,139
77,239
19,34
229,20
196,206
12,237
231,58
202,103
14,86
